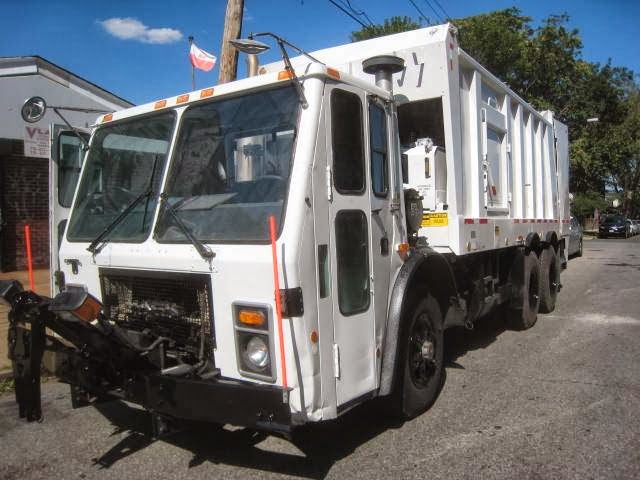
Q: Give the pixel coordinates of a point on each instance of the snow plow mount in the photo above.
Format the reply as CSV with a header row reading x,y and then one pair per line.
x,y
103,361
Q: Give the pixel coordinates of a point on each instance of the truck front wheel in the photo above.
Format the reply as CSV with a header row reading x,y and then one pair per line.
x,y
421,364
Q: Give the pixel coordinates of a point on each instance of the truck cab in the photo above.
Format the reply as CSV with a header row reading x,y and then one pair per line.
x,y
184,189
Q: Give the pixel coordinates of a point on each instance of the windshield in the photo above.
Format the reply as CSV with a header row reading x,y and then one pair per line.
x,y
122,159
231,168
613,221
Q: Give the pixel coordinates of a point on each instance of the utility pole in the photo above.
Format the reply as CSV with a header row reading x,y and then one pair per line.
x,y
232,29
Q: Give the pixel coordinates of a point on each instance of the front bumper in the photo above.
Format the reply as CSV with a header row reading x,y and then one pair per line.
x,y
96,365
611,233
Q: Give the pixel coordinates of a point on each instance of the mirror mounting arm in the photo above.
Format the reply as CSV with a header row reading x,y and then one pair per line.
x,y
85,144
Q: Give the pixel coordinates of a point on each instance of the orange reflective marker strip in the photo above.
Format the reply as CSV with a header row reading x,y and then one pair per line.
x,y
160,104
207,92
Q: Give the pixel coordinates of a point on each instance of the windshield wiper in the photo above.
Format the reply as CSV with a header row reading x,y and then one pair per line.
x,y
98,243
205,252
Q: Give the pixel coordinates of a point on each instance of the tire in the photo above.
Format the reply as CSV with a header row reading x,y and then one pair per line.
x,y
549,280
579,252
523,311
420,366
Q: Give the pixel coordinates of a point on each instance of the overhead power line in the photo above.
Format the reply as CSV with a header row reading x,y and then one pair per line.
x,y
361,13
346,12
419,11
438,16
447,16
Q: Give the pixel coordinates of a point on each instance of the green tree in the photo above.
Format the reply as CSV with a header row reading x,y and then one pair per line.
x,y
498,40
390,25
623,154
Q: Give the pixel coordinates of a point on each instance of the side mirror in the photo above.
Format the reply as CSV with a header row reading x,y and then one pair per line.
x,y
33,109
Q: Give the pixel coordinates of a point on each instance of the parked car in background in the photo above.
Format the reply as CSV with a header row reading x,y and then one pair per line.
x,y
575,238
614,226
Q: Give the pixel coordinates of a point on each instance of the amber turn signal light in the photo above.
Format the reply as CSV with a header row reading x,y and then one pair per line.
x,y
75,303
252,318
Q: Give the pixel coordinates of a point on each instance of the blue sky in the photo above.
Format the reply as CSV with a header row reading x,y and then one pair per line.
x,y
137,49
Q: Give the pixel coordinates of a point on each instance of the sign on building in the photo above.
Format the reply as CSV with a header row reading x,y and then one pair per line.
x,y
36,141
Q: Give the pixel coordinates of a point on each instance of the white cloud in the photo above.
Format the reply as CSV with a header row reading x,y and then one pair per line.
x,y
134,29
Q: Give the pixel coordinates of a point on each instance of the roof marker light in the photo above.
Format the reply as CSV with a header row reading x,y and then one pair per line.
x,y
107,118
182,98
207,92
333,73
285,74
160,104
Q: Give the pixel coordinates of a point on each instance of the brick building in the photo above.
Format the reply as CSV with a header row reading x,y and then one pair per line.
x,y
24,149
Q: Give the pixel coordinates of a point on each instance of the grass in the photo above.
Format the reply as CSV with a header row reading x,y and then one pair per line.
x,y
6,385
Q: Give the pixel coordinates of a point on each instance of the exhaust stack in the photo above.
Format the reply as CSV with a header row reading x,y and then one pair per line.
x,y
383,67
252,65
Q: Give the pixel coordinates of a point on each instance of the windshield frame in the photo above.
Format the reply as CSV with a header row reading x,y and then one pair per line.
x,y
172,164
159,175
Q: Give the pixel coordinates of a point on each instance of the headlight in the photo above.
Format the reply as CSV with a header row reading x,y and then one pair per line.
x,y
254,358
257,352
254,342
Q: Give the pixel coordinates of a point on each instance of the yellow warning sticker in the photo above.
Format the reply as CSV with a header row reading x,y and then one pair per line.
x,y
440,219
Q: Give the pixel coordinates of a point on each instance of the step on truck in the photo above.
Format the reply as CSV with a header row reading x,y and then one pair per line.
x,y
276,250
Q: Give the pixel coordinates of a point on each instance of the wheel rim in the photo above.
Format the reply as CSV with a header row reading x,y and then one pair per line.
x,y
422,352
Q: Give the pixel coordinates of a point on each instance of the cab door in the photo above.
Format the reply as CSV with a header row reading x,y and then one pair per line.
x,y
67,157
349,226
381,231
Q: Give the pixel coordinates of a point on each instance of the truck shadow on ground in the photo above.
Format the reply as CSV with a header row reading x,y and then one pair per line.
x,y
458,341
310,452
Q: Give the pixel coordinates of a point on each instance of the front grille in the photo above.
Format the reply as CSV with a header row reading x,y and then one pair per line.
x,y
172,305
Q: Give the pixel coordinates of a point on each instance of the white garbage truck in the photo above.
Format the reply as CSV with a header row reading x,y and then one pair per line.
x,y
279,249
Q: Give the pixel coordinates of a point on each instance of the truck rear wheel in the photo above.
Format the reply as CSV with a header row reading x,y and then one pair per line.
x,y
523,312
549,280
421,358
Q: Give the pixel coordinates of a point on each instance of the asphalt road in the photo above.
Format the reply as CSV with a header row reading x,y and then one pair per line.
x,y
561,400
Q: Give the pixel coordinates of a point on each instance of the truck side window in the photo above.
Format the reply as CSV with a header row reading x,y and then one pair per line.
x,y
70,155
352,254
348,153
378,139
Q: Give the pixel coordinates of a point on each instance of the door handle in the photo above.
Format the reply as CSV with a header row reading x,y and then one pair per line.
x,y
384,246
